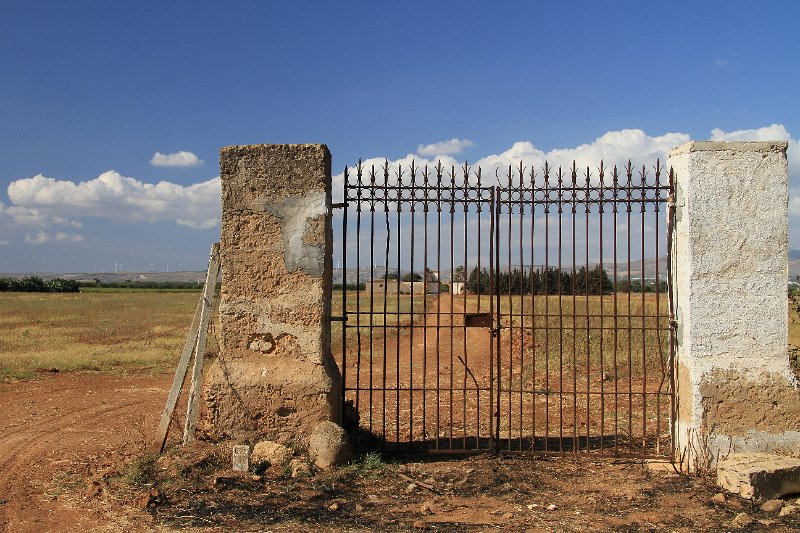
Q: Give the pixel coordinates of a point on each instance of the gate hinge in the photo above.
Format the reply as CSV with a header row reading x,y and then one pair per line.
x,y
338,319
339,205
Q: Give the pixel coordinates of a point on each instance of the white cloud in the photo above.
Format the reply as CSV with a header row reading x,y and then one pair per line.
x,y
41,202
390,170
61,236
721,62
451,147
176,159
4,243
617,147
114,197
39,238
42,237
24,216
613,147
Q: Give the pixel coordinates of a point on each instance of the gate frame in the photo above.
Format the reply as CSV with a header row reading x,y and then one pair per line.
x,y
495,204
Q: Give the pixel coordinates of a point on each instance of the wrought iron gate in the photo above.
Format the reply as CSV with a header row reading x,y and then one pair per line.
x,y
532,314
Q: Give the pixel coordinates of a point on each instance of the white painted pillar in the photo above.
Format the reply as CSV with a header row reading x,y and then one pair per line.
x,y
735,390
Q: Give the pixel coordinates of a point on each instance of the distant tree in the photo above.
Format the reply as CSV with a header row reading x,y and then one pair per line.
x,y
635,286
595,281
36,284
514,282
478,281
31,284
555,281
390,275
411,276
534,282
550,280
623,285
63,285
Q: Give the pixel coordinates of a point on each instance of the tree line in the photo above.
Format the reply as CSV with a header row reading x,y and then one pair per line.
x,y
131,284
37,284
555,281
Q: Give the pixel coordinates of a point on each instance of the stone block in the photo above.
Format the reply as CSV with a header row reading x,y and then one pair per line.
x,y
759,476
241,457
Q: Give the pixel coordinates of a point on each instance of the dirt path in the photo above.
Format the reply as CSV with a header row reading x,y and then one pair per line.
x,y
64,424
59,432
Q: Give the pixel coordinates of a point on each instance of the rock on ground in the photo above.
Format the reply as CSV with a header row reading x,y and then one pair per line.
x,y
329,445
299,468
759,475
771,506
270,452
789,509
741,520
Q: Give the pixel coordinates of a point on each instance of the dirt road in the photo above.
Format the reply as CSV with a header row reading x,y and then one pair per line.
x,y
55,431
61,432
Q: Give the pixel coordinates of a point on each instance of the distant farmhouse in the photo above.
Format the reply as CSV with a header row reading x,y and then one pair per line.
x,y
427,285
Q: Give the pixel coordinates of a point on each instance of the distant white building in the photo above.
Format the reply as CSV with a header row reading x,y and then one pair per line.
x,y
457,287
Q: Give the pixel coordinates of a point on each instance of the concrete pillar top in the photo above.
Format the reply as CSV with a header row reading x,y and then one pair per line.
x,y
735,146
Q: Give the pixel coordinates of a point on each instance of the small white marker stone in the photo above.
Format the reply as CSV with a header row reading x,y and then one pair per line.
x,y
241,458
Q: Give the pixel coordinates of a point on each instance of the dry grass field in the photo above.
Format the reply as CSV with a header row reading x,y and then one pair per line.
x,y
115,330
107,331
581,324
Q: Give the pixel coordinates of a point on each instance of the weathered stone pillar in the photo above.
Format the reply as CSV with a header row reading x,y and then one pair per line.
x,y
735,389
275,377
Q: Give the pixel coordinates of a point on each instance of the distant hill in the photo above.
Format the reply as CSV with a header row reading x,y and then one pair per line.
x,y
350,275
115,277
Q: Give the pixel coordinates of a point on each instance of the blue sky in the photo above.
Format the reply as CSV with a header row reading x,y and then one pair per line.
x,y
91,92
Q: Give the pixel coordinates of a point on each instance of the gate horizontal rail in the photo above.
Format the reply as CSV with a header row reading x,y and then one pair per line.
x,y
532,315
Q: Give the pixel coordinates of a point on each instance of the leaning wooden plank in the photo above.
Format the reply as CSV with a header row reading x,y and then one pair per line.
x,y
177,382
197,371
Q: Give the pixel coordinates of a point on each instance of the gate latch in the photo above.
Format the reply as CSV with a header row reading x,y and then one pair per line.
x,y
478,320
